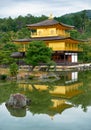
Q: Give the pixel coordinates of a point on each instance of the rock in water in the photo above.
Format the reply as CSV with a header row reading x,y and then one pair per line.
x,y
17,100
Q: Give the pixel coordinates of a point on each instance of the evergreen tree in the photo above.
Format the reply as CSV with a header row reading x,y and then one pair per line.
x,y
38,53
13,69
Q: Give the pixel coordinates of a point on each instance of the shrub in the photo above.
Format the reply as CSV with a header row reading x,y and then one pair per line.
x,y
13,69
31,77
3,76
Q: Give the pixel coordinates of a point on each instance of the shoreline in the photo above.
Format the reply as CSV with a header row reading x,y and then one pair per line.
x,y
79,66
24,72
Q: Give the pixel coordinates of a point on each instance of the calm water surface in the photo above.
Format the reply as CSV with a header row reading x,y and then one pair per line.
x,y
61,105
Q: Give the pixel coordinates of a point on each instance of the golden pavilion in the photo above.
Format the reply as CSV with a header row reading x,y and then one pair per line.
x,y
56,36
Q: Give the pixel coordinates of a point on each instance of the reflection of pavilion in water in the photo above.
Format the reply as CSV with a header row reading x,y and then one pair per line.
x,y
60,93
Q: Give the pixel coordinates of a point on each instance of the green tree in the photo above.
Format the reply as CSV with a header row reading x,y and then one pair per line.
x,y
10,46
84,18
5,54
77,21
13,69
85,56
38,53
74,33
23,33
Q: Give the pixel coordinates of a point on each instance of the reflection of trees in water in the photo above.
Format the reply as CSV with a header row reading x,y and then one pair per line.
x,y
83,100
85,76
41,101
6,89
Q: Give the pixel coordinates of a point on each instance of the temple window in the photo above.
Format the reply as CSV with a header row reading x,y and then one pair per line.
x,y
52,31
39,32
33,31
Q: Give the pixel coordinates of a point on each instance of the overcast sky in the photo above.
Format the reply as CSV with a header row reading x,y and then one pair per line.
x,y
14,8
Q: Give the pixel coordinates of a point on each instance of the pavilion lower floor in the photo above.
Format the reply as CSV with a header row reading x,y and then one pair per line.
x,y
65,57
61,58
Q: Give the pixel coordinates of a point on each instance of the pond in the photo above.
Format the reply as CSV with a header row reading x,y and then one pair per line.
x,y
64,104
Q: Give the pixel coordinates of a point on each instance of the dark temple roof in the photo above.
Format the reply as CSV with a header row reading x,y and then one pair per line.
x,y
40,39
47,39
17,55
49,22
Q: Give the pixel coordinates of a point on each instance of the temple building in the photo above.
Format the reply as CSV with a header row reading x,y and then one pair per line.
x,y
56,36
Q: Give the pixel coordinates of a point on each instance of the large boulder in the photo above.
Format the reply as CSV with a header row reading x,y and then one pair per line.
x,y
20,112
17,101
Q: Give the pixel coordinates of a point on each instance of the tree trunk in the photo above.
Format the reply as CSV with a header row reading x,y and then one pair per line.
x,y
32,68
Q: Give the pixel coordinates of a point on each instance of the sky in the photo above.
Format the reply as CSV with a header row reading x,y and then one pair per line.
x,y
15,8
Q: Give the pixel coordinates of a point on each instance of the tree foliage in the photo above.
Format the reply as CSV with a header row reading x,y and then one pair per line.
x,y
85,56
13,69
5,54
38,53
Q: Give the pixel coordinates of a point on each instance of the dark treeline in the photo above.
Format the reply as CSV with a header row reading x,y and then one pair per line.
x,y
16,28
81,21
9,24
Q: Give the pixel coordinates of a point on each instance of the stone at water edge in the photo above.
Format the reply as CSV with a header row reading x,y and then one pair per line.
x,y
17,101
